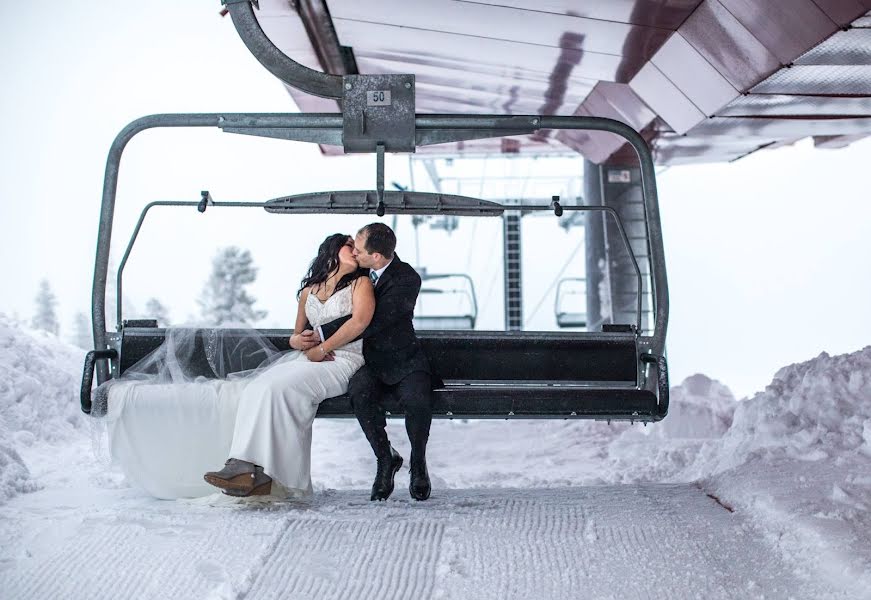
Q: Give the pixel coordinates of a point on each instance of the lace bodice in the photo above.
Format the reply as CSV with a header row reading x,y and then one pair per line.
x,y
337,305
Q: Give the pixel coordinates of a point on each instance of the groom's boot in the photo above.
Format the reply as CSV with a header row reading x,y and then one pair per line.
x,y
419,486
388,465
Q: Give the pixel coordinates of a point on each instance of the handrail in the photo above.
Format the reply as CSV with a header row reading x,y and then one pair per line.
x,y
119,281
91,359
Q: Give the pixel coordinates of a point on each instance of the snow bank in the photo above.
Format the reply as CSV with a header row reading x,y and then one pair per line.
x,y
699,408
700,412
39,377
14,475
811,411
796,459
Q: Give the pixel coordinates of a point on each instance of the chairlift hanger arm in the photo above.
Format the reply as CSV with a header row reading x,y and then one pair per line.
x,y
277,62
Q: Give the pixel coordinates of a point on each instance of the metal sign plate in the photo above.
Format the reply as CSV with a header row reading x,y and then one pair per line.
x,y
378,109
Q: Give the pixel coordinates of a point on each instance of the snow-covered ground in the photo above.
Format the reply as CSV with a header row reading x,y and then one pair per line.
x,y
763,498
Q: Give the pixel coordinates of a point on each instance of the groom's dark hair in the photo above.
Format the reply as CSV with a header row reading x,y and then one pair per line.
x,y
379,238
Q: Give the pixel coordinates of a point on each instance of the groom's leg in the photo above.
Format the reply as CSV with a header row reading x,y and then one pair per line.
x,y
366,392
414,392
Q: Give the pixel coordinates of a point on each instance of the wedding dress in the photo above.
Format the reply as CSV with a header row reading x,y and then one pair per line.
x,y
167,430
274,419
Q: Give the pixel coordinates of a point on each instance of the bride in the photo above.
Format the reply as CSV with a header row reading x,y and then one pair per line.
x,y
273,428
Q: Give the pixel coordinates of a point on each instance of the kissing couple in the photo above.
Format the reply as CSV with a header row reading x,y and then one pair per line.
x,y
353,334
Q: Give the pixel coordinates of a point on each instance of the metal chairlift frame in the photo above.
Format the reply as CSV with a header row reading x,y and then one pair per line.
x,y
569,389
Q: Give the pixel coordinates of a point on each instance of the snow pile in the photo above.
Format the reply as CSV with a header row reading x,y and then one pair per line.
x,y
699,407
39,377
700,412
811,411
14,475
796,460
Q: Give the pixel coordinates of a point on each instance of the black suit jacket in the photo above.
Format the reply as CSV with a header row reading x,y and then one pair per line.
x,y
390,346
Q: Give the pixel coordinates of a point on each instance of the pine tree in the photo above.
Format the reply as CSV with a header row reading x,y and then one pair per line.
x,y
45,317
154,309
224,299
82,335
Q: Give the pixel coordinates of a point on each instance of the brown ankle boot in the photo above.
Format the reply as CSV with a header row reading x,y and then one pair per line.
x,y
262,485
240,477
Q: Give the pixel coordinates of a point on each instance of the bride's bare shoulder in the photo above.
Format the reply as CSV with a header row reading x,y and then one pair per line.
x,y
361,280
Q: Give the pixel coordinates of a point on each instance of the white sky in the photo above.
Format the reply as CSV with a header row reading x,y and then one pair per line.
x,y
767,257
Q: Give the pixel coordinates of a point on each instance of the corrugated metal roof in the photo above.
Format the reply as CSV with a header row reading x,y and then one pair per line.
x,y
705,80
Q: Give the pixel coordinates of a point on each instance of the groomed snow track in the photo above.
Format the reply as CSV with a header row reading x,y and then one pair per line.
x,y
628,541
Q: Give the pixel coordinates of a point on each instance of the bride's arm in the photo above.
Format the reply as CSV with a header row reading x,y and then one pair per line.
x,y
363,307
298,341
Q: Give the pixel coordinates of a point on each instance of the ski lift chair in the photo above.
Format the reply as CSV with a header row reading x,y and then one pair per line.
x,y
617,373
571,293
465,294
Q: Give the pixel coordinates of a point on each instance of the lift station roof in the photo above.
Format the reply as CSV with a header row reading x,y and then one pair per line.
x,y
703,81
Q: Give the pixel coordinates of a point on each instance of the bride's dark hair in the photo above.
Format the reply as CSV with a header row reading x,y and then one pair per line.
x,y
327,262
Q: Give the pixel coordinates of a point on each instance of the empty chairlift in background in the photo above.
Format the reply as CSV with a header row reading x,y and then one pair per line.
x,y
446,301
571,301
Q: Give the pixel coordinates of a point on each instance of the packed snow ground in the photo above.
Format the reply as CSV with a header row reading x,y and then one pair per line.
x,y
764,498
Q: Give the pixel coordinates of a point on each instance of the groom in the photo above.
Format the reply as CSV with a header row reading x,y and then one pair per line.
x,y
395,362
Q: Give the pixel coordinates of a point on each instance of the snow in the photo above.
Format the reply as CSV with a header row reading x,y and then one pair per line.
x,y
38,378
767,497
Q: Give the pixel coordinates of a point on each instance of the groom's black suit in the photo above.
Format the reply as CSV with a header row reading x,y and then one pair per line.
x,y
395,362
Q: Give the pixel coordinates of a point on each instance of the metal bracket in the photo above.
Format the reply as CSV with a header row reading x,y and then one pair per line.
x,y
205,201
379,179
378,109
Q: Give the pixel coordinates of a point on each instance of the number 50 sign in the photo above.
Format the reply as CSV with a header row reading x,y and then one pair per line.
x,y
378,98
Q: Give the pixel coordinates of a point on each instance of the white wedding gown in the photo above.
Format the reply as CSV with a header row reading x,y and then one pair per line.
x,y
165,436
274,419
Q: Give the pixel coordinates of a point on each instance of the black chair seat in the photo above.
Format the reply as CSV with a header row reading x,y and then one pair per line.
x,y
490,401
491,374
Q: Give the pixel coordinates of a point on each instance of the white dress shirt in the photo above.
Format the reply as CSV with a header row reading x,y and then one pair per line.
x,y
380,271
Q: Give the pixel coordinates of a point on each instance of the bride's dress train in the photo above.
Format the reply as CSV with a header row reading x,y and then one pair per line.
x,y
165,436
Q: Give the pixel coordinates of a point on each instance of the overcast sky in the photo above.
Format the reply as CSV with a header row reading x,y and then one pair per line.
x,y
767,257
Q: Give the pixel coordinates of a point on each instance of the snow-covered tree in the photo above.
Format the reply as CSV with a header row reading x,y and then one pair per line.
x,y
82,334
224,298
45,317
154,309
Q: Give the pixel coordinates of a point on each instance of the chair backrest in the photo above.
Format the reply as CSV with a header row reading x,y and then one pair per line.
x,y
465,356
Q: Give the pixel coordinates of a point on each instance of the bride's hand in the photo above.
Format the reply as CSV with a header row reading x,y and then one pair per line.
x,y
316,354
305,340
